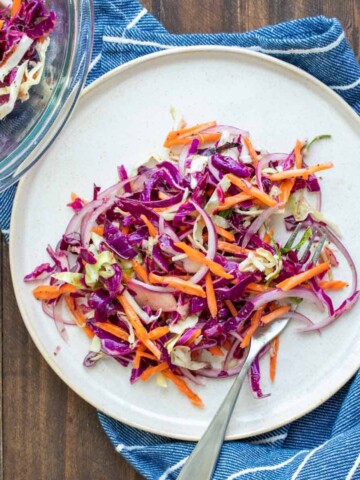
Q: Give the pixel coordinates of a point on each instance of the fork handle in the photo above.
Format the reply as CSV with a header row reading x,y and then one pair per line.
x,y
202,462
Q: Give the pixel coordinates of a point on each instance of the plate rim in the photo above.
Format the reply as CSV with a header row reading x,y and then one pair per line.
x,y
173,52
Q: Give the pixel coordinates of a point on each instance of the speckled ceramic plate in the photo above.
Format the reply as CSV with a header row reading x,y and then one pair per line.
x,y
124,117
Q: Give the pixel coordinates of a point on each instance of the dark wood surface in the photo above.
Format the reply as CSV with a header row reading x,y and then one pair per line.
x,y
47,431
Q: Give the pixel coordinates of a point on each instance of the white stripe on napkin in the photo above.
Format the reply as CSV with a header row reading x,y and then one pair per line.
x,y
172,469
350,475
346,87
302,51
129,448
130,41
267,467
308,456
136,19
272,439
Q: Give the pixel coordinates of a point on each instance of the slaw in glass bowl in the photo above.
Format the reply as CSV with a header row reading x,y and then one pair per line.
x,y
28,131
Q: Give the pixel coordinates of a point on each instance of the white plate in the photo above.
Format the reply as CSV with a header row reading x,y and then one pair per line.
x,y
124,117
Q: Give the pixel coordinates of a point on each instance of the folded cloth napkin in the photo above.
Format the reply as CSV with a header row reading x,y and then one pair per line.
x,y
325,444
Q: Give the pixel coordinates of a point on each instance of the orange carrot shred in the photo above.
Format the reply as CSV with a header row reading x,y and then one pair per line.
x,y
113,329
88,331
224,233
76,312
210,295
296,280
50,292
299,172
194,254
149,372
251,150
183,387
274,349
285,190
193,337
158,333
231,307
234,200
15,8
140,271
251,190
230,248
99,230
139,351
255,321
179,284
277,313
298,156
152,230
183,132
333,285
216,351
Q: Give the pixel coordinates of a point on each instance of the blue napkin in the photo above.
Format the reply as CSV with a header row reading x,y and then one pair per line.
x,y
325,444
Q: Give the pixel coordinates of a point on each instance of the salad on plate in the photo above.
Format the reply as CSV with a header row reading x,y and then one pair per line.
x,y
171,270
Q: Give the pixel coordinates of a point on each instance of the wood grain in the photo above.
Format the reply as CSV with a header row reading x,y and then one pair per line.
x,y
48,432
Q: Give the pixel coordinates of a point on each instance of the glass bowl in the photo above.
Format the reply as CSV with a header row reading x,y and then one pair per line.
x,y
28,131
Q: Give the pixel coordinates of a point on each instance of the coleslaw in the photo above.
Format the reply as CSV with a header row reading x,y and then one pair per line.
x,y
173,269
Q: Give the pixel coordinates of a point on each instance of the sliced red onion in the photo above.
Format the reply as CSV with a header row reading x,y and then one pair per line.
x,y
254,379
341,247
117,187
41,272
161,225
59,320
161,298
230,353
256,224
346,306
75,222
48,308
212,243
191,377
89,222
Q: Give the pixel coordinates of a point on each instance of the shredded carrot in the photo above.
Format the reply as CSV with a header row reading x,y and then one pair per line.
x,y
251,190
257,288
201,258
268,235
300,172
296,280
230,248
196,334
73,196
99,230
216,351
139,328
149,372
184,132
88,331
277,313
231,307
158,333
210,295
50,292
140,271
285,190
179,284
202,137
224,233
15,8
251,150
152,230
298,156
76,312
140,349
273,357
333,285
183,387
113,329
1,24
234,200
227,344
125,230
255,321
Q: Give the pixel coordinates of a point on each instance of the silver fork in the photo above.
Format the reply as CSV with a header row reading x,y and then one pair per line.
x,y
201,463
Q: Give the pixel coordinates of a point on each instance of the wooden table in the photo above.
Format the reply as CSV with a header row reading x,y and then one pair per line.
x,y
48,432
